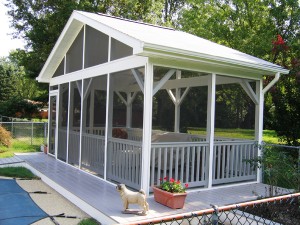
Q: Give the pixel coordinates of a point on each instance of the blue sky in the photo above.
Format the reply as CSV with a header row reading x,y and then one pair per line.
x,y
7,43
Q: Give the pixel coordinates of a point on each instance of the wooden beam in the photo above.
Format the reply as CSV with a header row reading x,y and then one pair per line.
x,y
87,88
248,89
158,85
171,96
121,97
138,78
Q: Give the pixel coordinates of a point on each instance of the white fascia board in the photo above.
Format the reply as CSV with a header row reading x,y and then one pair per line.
x,y
62,45
118,35
151,50
102,69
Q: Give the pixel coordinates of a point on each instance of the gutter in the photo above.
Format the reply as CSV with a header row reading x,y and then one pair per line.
x,y
155,50
272,83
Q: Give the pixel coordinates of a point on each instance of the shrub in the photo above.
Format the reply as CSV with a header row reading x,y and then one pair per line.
x,y
5,137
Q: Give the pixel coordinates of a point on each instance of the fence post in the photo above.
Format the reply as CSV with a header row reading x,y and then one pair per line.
x,y
31,132
12,127
45,133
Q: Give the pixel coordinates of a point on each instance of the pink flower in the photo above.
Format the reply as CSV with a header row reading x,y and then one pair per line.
x,y
165,178
186,185
172,180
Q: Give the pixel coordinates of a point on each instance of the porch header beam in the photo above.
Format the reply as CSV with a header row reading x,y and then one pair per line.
x,y
102,69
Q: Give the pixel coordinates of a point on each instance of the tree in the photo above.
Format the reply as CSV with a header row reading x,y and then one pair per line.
x,y
286,98
16,89
8,81
244,25
253,27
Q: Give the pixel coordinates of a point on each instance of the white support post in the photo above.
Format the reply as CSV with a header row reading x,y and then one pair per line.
x,y
147,127
69,120
129,111
92,104
259,112
81,122
177,105
211,99
108,119
83,47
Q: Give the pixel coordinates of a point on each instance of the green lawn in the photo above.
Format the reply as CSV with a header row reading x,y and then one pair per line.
x,y
19,172
269,136
18,147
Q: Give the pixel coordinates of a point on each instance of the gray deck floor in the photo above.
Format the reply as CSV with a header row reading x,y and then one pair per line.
x,y
104,197
11,160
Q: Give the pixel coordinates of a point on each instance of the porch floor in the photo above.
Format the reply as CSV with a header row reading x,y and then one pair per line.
x,y
106,203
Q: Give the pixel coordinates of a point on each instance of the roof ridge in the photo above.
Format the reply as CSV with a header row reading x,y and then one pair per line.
x,y
134,21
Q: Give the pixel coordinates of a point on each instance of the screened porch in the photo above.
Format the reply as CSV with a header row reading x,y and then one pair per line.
x,y
100,129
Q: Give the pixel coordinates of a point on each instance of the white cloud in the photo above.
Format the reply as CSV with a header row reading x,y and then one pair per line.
x,y
7,43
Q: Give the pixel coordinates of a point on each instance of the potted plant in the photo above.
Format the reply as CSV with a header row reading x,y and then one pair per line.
x,y
44,148
170,193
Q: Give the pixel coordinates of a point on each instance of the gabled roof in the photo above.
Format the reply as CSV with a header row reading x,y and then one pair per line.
x,y
152,41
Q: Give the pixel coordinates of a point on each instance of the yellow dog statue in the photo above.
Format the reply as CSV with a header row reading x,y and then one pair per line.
x,y
130,197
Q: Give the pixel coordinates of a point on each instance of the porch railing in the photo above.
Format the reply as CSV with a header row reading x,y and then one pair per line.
x,y
185,161
124,161
231,161
92,157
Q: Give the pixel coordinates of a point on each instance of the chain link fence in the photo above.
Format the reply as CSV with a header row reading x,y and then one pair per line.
x,y
272,211
281,167
33,133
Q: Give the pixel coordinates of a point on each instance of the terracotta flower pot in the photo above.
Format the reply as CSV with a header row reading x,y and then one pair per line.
x,y
172,200
46,149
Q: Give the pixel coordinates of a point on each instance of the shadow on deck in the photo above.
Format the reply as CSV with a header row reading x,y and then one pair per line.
x,y
101,200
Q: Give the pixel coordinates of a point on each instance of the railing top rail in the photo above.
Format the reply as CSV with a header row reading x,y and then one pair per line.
x,y
235,142
126,141
178,144
23,122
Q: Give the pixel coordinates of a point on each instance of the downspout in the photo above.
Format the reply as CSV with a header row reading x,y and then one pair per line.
x,y
272,83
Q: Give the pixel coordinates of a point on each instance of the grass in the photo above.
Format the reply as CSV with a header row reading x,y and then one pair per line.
x,y
18,147
88,221
269,136
18,172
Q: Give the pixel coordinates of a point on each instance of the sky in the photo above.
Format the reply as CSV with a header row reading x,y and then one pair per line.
x,y
7,43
